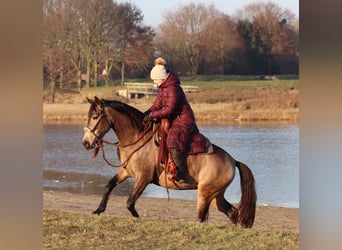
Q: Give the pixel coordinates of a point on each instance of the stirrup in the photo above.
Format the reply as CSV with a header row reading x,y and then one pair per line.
x,y
180,180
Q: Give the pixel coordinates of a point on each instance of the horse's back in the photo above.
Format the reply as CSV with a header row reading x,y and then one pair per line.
x,y
215,169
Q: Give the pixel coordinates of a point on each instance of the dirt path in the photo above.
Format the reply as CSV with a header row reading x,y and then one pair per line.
x,y
267,217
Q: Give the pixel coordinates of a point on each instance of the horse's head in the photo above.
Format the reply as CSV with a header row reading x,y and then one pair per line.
x,y
97,125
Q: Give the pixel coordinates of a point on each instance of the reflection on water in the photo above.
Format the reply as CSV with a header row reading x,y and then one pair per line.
x,y
270,151
82,183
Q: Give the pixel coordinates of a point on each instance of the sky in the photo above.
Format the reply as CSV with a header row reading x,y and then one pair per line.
x,y
154,10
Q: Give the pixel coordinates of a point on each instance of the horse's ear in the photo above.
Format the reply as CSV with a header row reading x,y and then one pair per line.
x,y
97,100
90,101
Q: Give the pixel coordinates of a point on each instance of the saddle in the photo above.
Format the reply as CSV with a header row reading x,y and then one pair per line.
x,y
199,145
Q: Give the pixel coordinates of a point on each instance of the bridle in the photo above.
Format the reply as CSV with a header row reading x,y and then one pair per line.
x,y
92,130
100,141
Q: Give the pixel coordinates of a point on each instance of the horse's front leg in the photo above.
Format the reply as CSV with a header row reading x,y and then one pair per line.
x,y
117,179
138,188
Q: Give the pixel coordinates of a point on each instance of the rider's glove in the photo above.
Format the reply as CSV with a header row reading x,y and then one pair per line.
x,y
147,118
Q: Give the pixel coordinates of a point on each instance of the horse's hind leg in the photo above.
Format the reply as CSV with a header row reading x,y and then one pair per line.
x,y
202,209
203,203
117,179
138,188
225,207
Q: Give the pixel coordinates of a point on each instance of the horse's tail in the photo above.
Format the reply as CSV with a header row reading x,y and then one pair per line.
x,y
245,212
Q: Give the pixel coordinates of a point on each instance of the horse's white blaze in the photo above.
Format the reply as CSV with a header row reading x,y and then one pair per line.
x,y
88,136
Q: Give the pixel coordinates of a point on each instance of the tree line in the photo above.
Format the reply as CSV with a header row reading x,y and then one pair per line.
x,y
87,43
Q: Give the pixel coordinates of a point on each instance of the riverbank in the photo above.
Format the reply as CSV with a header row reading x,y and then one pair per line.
x,y
267,217
215,102
204,112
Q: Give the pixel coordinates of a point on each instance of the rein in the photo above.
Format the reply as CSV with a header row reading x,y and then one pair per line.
x,y
118,144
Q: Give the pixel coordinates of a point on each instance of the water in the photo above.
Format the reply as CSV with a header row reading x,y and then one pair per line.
x,y
271,152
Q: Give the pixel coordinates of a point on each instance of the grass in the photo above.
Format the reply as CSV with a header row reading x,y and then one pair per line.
x,y
66,230
199,78
224,83
249,85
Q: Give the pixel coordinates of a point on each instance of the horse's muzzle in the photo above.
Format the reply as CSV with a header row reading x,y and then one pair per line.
x,y
87,144
89,139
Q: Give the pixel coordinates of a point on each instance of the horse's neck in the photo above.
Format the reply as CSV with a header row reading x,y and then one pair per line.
x,y
125,131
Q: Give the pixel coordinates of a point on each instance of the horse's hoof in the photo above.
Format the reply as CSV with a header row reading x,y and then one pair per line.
x,y
98,211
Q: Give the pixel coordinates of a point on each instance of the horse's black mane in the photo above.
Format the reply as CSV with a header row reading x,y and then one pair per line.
x,y
135,116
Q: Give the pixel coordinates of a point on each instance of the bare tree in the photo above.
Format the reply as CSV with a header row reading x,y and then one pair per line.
x,y
221,43
89,29
132,39
183,33
92,35
71,40
54,59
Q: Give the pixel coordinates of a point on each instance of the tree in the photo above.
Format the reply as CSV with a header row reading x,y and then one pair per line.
x,y
71,40
268,33
82,37
54,59
94,18
183,35
132,40
223,47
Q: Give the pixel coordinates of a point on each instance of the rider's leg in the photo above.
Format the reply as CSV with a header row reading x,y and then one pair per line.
x,y
179,159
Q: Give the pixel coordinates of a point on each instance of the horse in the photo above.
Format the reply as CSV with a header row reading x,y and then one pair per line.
x,y
210,174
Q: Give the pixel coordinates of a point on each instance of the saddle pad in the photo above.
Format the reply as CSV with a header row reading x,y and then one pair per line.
x,y
200,145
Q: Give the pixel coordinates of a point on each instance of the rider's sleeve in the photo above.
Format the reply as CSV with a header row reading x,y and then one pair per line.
x,y
169,101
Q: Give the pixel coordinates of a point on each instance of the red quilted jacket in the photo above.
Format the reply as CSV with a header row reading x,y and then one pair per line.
x,y
171,103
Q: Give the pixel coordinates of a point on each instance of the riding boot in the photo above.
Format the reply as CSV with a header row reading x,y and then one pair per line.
x,y
179,159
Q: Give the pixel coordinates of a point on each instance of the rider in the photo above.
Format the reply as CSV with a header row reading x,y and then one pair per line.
x,y
171,103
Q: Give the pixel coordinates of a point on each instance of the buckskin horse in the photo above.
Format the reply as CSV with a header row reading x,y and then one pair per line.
x,y
210,174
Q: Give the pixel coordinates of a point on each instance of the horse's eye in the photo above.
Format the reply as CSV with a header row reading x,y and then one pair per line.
x,y
95,117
